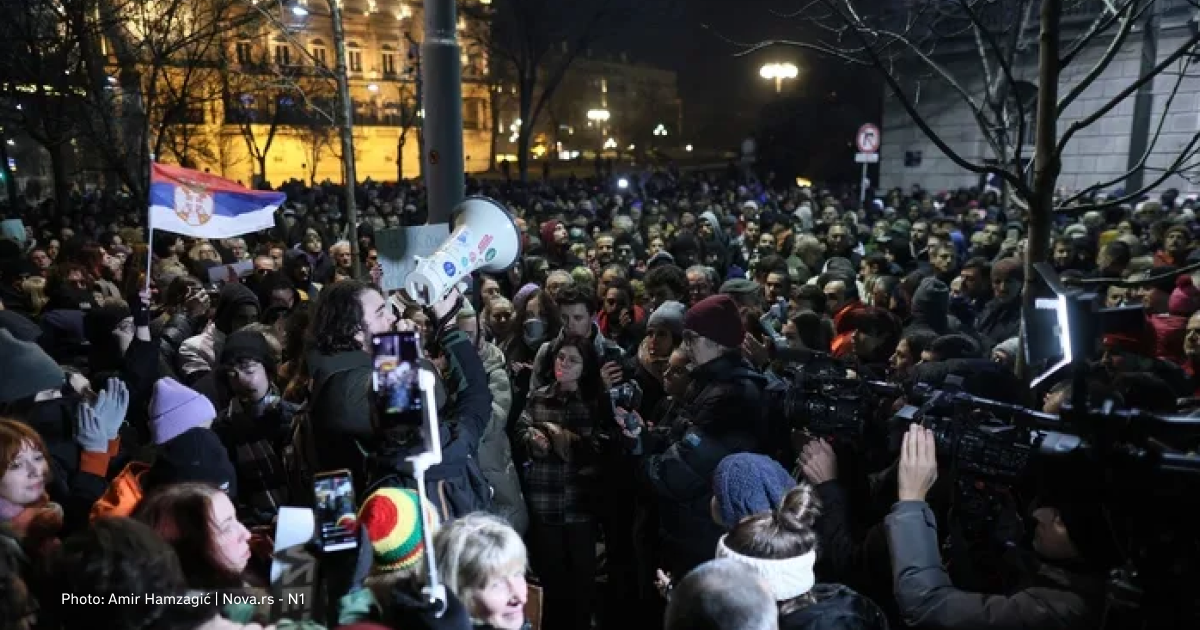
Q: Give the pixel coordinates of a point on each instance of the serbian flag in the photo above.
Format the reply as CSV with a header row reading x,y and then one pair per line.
x,y
200,205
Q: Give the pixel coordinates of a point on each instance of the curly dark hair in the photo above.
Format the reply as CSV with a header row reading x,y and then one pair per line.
x,y
667,277
338,317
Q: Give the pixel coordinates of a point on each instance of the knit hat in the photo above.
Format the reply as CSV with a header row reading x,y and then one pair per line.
x,y
195,455
27,369
716,318
786,578
746,484
523,295
392,520
739,286
233,296
1008,269
932,297
175,408
661,258
1185,299
247,344
668,315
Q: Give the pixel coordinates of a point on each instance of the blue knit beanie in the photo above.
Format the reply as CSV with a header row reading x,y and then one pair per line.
x,y
746,484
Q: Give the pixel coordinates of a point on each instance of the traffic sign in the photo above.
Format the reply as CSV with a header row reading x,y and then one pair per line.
x,y
866,158
868,138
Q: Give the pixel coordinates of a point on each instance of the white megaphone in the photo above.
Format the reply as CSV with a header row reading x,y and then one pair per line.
x,y
484,238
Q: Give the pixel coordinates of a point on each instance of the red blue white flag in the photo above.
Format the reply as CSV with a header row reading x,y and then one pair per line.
x,y
200,205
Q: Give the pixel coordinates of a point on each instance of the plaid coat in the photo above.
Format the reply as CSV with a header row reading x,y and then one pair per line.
x,y
556,487
255,442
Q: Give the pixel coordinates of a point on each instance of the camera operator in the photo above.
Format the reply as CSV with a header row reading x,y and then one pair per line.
x,y
723,413
1065,592
456,486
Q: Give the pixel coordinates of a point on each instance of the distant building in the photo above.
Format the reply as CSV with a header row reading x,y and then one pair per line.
x,y
261,98
1107,149
603,106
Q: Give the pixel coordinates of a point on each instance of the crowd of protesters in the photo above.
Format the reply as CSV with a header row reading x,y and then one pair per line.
x,y
605,407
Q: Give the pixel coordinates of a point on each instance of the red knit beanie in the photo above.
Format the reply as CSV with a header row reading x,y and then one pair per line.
x,y
716,317
1185,299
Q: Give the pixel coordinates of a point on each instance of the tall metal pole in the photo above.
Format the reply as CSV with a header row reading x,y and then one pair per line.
x,y
347,132
441,67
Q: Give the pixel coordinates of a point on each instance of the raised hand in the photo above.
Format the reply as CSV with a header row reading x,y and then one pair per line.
x,y
111,406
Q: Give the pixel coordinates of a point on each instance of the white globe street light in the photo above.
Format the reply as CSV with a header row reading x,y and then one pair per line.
x,y
598,115
779,72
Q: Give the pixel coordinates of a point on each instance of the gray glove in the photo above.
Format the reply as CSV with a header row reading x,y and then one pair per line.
x,y
111,406
89,433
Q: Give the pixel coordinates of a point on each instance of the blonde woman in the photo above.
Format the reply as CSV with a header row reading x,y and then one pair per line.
x,y
35,288
482,561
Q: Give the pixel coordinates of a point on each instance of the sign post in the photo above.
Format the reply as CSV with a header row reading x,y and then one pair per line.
x,y
868,140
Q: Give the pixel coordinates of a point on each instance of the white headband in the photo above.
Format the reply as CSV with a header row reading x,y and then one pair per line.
x,y
787,578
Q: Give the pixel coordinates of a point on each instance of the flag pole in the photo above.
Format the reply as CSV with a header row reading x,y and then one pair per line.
x,y
149,251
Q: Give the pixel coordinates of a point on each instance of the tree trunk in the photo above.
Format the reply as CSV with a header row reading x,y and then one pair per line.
x,y
1046,159
523,153
495,107
262,171
401,140
61,178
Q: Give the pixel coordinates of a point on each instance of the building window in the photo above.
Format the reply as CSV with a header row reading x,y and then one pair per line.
x,y
319,53
473,113
283,54
244,52
354,58
388,61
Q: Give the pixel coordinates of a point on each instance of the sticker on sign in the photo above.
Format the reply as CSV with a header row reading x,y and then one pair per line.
x,y
868,138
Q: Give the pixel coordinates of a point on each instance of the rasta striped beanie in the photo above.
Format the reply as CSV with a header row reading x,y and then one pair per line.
x,y
393,522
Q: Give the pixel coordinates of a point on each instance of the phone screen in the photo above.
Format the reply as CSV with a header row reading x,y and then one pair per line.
x,y
1014,235
336,509
397,388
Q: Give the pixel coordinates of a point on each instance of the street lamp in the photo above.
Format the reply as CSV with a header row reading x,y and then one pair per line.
x,y
778,72
660,130
611,143
347,123
688,148
598,115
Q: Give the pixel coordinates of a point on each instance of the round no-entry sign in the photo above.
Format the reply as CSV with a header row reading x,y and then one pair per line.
x,y
868,138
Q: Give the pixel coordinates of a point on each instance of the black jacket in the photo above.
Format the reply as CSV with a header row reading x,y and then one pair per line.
x,y
723,413
456,486
837,607
1000,320
340,411
171,334
927,599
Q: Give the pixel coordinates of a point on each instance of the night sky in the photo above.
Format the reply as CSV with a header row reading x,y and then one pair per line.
x,y
724,98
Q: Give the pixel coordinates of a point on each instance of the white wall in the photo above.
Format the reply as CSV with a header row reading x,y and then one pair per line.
x,y
1097,153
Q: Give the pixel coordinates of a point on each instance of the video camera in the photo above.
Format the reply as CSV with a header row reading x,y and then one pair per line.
x,y
821,399
1139,465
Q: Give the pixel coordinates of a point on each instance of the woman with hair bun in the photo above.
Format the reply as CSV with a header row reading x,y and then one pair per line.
x,y
781,547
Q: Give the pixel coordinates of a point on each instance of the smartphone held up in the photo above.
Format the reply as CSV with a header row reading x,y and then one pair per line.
x,y
396,378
